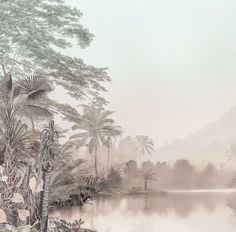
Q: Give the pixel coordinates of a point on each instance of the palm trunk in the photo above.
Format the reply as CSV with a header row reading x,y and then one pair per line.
x,y
141,155
33,128
95,161
139,180
145,185
44,201
108,159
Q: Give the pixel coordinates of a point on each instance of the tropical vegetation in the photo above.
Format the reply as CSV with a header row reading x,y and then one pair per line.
x,y
95,129
44,166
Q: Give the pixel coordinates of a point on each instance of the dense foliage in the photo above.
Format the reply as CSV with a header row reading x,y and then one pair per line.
x,y
33,36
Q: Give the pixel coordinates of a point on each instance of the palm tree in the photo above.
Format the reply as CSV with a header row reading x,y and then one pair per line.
x,y
35,89
143,144
20,99
112,133
95,126
48,152
147,173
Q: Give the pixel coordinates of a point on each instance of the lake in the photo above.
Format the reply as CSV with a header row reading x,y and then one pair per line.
x,y
176,212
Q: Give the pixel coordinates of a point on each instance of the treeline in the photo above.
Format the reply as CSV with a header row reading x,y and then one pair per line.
x,y
182,175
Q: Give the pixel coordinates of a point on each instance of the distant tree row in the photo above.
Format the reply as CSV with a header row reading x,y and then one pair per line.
x,y
182,175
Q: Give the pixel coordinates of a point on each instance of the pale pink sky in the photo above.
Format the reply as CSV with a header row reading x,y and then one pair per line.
x,y
172,62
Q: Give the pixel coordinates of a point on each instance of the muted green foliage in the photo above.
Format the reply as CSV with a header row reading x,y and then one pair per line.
x,y
32,35
19,99
76,191
60,225
114,178
93,128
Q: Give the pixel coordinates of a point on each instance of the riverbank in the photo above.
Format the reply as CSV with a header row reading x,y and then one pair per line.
x,y
130,192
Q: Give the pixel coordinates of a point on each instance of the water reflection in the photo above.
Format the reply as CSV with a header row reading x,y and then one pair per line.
x,y
176,212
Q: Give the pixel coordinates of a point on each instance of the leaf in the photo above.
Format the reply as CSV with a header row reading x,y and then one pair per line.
x,y
32,184
4,178
17,198
35,87
34,110
39,186
19,183
36,185
6,86
3,218
23,214
1,170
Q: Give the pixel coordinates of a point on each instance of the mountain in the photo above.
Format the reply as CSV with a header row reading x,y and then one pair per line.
x,y
211,143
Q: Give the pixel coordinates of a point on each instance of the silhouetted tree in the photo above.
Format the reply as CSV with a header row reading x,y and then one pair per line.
x,y
183,174
209,177
147,173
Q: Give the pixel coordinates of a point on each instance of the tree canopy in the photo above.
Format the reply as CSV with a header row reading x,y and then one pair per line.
x,y
33,34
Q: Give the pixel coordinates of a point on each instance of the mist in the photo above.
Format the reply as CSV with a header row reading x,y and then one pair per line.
x,y
117,116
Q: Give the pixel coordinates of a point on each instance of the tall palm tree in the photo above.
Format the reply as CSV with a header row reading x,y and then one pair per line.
x,y
93,126
143,144
112,132
48,151
17,99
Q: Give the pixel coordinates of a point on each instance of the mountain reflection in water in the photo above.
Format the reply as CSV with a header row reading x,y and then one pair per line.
x,y
180,212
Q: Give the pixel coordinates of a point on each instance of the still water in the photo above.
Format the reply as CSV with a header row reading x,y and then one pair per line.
x,y
176,212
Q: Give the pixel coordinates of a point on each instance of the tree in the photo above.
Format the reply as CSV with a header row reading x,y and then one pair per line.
x,y
131,169
209,177
112,132
164,173
114,178
48,152
95,125
147,173
183,174
32,35
143,145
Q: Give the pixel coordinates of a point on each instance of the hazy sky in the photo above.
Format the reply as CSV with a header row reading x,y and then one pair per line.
x,y
173,63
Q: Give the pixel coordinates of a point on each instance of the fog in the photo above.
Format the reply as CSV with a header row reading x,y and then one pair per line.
x,y
172,63
118,115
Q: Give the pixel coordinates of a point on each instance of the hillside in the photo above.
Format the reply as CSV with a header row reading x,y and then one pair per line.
x,y
210,143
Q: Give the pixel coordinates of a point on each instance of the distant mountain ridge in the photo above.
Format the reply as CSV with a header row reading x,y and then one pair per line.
x,y
208,144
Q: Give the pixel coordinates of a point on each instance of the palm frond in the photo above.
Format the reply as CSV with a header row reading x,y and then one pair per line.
x,y
78,135
6,86
34,111
33,87
143,144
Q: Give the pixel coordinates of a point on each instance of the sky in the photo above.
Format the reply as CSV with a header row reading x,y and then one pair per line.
x,y
172,63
